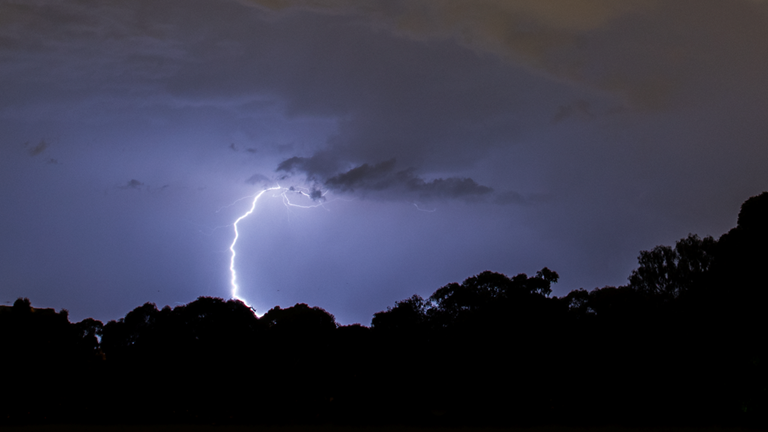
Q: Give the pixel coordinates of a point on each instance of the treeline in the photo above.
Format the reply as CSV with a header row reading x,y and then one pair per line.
x,y
684,342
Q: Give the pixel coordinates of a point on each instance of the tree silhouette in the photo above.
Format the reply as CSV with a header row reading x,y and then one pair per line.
x,y
490,295
741,254
298,318
90,331
670,272
22,305
735,306
407,315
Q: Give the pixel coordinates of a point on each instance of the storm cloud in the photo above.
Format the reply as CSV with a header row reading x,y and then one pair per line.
x,y
384,181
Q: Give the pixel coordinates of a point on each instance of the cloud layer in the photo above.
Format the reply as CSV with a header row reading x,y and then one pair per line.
x,y
384,180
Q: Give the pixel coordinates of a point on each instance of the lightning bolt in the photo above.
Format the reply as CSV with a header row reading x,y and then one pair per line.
x,y
288,204
286,201
424,210
233,282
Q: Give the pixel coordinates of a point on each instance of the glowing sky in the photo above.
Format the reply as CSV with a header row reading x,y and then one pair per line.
x,y
448,137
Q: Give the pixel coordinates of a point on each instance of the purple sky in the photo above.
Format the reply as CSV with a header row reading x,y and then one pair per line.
x,y
447,137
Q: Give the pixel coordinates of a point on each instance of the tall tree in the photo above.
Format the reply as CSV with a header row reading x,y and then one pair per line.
x,y
669,272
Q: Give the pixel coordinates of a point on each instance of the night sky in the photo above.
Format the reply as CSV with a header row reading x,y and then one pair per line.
x,y
430,140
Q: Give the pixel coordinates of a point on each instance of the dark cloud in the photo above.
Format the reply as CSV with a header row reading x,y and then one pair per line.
x,y
384,180
534,33
292,164
133,184
321,165
233,147
368,177
316,194
641,51
141,186
38,149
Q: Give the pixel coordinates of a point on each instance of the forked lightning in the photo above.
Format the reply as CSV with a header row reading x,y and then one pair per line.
x,y
286,201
